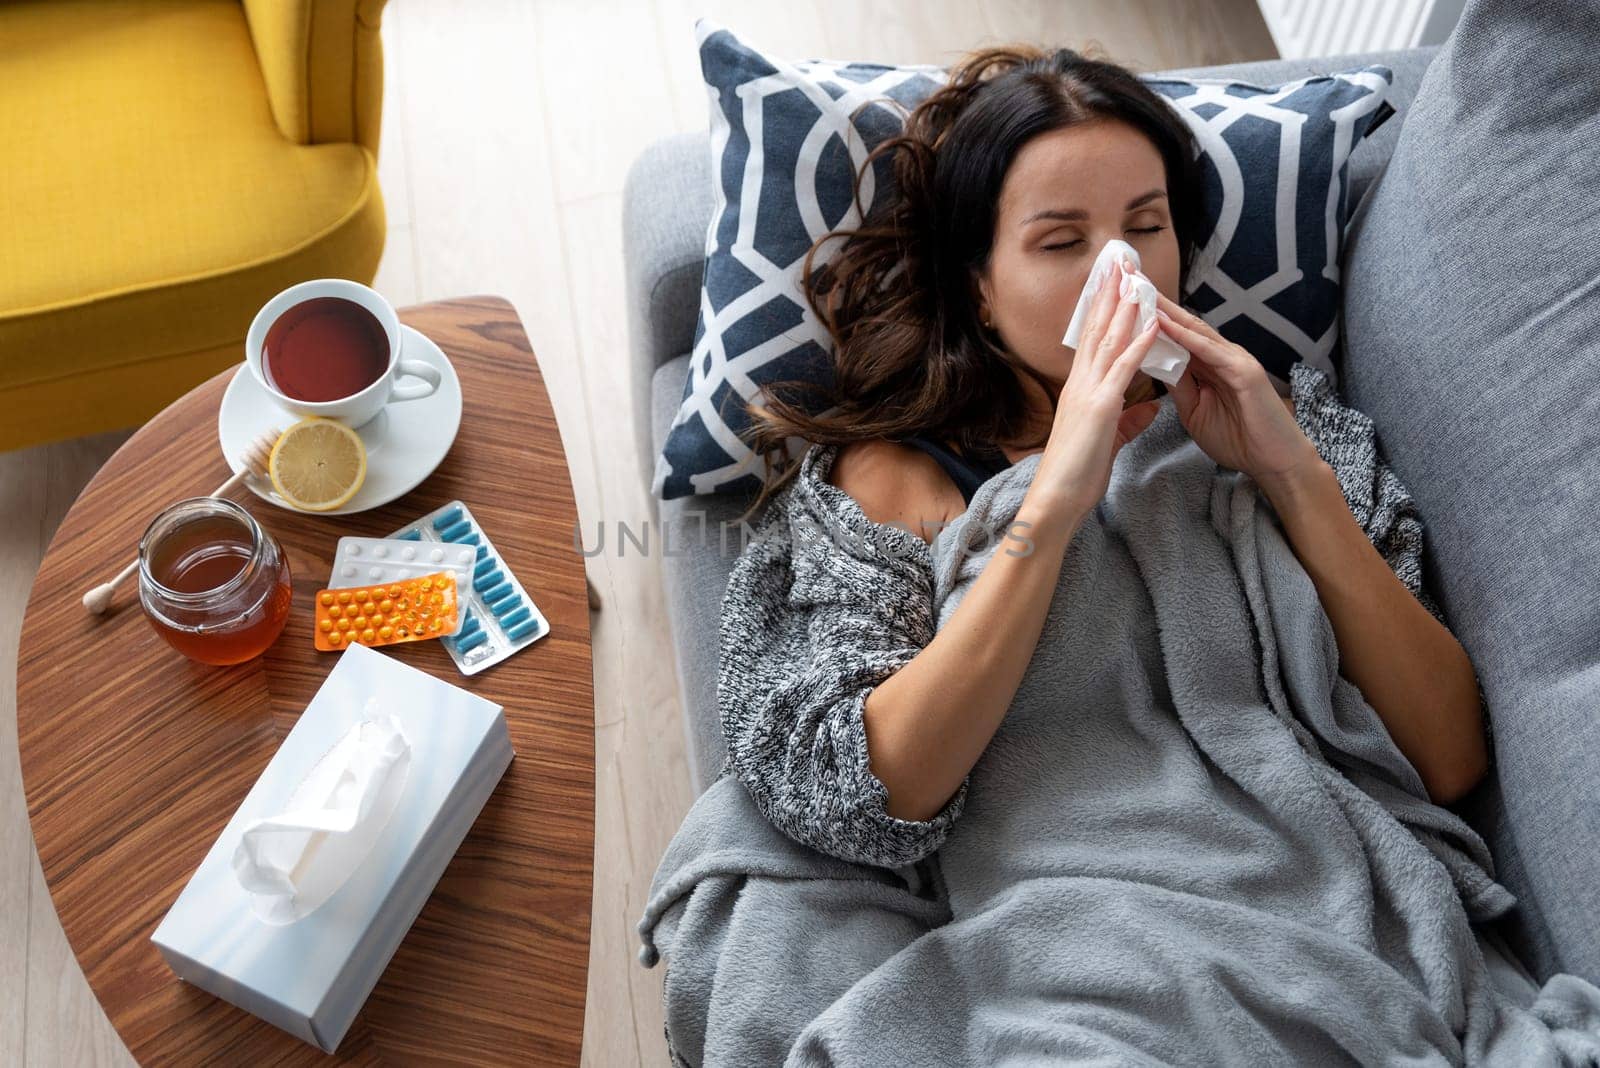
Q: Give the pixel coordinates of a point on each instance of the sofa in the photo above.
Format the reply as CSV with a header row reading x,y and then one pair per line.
x,y
668,203
168,166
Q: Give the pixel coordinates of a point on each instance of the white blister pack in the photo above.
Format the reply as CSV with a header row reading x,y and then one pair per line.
x,y
372,561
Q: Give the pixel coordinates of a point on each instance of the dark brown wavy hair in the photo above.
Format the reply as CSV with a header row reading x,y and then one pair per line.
x,y
900,299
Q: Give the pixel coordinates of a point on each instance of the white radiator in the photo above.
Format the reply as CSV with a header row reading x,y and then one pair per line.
x,y
1303,28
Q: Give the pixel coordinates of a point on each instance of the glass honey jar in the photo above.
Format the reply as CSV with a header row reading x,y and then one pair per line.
x,y
212,582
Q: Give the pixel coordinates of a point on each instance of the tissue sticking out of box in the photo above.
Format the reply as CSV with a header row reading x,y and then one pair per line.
x,y
294,861
1166,359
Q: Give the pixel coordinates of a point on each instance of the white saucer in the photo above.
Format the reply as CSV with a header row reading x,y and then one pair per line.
x,y
405,442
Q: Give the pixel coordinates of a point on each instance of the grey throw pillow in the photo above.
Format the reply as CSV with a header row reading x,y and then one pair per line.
x,y
1472,338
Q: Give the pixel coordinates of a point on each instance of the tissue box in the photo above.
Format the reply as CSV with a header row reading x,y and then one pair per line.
x,y
310,977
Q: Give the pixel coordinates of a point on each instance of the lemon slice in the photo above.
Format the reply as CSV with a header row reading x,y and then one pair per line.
x,y
317,464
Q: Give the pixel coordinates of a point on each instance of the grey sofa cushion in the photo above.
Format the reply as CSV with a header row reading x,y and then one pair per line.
x,y
1472,321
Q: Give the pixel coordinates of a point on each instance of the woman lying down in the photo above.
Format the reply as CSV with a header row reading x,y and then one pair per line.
x,y
1090,724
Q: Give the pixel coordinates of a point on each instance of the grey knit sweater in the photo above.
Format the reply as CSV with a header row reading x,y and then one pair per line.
x,y
824,604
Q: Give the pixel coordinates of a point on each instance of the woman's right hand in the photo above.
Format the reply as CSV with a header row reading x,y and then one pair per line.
x,y
1091,425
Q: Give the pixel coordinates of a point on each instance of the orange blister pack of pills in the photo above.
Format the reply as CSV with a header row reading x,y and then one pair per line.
x,y
386,614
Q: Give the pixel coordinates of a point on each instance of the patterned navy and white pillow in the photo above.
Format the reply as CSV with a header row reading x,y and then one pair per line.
x,y
1276,164
785,151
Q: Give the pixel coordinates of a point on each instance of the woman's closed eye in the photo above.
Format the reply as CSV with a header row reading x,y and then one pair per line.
x,y
1079,241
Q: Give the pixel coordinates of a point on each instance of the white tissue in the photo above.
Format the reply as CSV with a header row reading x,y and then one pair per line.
x,y
1166,359
293,862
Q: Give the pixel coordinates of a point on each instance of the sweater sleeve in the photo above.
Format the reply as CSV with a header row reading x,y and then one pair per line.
x,y
823,605
1348,440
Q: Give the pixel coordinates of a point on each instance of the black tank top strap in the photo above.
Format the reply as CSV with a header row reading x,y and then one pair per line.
x,y
967,473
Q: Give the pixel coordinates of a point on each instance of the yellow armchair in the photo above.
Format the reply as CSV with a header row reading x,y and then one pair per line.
x,y
168,165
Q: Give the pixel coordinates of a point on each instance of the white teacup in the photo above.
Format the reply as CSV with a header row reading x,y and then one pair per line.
x,y
360,407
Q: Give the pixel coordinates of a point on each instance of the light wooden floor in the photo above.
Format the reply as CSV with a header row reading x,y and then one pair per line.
x,y
508,129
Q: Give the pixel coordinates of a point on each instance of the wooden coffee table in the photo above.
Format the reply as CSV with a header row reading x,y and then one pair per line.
x,y
133,758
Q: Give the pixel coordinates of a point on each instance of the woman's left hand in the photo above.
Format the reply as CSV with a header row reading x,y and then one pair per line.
x,y
1228,404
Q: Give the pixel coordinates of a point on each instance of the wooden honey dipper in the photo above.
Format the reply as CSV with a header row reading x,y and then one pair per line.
x,y
254,459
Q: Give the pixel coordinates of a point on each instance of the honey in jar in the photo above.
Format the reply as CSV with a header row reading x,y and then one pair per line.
x,y
213,583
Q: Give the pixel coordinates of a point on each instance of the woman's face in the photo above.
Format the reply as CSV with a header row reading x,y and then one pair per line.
x,y
1069,192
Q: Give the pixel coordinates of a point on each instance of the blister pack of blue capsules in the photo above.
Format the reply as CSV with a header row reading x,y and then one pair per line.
x,y
501,618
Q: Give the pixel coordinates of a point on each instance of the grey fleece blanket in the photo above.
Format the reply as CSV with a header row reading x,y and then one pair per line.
x,y
1190,842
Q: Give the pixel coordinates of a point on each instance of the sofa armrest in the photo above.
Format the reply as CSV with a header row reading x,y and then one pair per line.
x,y
667,204
322,63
